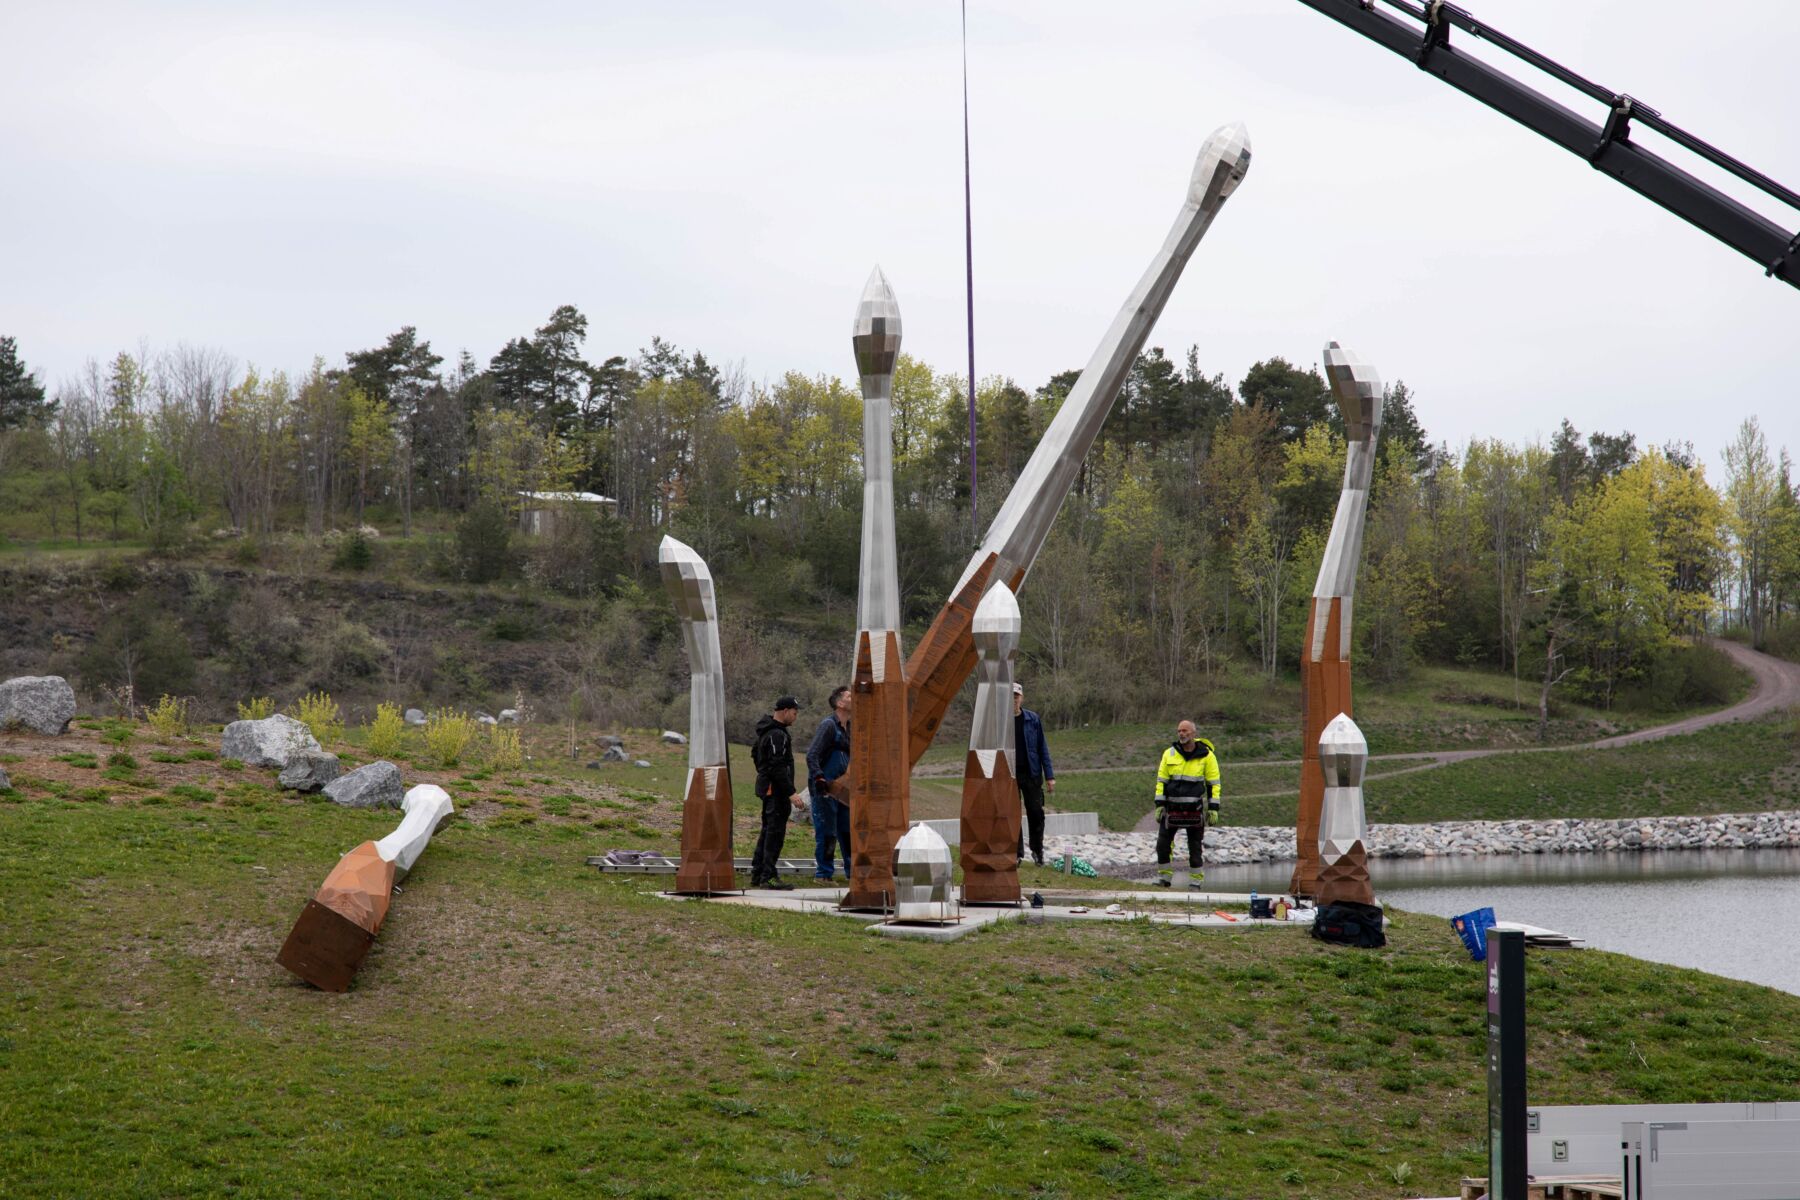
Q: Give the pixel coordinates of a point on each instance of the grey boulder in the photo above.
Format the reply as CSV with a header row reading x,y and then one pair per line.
x,y
509,716
673,738
309,770
611,739
270,742
374,786
482,718
415,716
642,762
5,781
614,754
40,703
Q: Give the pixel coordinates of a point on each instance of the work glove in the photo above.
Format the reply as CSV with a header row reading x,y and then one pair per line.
x,y
1212,812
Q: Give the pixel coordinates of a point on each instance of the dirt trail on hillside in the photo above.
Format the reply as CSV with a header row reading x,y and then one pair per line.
x,y
1776,687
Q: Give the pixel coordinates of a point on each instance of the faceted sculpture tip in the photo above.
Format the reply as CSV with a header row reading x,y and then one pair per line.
x,y
876,334
998,611
1343,752
1224,160
1357,387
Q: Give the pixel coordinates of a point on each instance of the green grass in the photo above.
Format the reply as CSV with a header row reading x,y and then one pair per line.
x,y
525,1026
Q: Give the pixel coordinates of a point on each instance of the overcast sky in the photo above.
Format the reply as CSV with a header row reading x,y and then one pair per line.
x,y
289,181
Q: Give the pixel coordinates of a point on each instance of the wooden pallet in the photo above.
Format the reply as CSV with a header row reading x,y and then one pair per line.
x,y
1556,1187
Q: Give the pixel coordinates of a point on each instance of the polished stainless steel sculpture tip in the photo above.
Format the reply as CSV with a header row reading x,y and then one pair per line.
x,y
1357,388
690,585
876,340
1224,161
922,876
1343,753
876,335
996,631
1024,520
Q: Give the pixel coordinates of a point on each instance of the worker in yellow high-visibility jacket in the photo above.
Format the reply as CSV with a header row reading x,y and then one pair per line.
x,y
1187,797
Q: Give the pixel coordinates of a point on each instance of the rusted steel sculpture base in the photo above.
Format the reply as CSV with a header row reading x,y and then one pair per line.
x,y
1324,693
990,830
1348,878
942,660
880,772
337,927
706,864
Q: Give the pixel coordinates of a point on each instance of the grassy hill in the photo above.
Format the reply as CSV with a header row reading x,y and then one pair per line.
x,y
526,1026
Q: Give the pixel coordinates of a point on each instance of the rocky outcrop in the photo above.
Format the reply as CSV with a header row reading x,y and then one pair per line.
x,y
270,742
41,703
309,770
374,786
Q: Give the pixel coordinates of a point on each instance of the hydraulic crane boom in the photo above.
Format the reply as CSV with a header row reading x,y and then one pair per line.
x,y
1608,148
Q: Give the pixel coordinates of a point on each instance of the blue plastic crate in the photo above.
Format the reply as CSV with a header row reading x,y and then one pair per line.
x,y
1472,928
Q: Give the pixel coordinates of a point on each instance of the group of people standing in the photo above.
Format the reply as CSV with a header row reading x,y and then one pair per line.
x,y
1187,788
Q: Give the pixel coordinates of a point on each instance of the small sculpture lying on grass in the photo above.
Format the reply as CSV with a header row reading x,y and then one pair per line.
x,y
339,924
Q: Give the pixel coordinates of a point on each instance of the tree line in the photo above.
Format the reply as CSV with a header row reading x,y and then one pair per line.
x,y
1188,547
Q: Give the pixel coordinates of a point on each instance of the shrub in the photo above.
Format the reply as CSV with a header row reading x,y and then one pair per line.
x,y
353,553
256,709
142,648
347,651
320,714
448,733
387,732
169,719
484,544
504,751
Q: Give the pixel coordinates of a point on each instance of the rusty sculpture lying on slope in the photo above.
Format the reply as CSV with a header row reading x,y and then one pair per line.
x,y
339,924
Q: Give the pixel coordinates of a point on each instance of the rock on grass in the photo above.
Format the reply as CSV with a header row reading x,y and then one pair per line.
x,y
270,742
41,703
374,786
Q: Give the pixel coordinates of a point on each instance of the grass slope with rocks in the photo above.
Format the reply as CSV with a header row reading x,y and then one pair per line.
x,y
528,1027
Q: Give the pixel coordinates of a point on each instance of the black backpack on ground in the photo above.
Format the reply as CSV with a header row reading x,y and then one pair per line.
x,y
1349,924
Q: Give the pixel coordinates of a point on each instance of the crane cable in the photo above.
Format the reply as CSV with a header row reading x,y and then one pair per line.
x,y
969,275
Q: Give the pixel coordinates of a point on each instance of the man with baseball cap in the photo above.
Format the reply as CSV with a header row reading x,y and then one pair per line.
x,y
773,754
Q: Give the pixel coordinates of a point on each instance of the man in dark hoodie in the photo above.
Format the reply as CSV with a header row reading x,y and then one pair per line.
x,y
827,761
773,754
1187,797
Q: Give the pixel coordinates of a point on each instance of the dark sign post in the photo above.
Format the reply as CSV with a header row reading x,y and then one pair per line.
x,y
1506,1063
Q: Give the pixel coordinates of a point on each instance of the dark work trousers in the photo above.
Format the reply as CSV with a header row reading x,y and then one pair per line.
x,y
1165,835
775,812
1031,791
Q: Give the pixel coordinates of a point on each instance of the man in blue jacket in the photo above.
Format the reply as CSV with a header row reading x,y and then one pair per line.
x,y
827,762
1036,774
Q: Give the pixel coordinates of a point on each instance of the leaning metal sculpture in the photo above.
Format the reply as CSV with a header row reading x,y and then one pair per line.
x,y
990,794
946,654
1325,661
880,770
706,864
1343,830
338,925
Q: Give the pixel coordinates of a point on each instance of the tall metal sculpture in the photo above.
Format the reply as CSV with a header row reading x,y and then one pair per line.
x,y
338,925
1343,830
946,655
706,864
1325,654
990,795
880,769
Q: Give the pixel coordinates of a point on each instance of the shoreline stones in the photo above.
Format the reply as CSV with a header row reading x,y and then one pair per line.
x,y
376,785
1230,845
41,703
309,770
270,742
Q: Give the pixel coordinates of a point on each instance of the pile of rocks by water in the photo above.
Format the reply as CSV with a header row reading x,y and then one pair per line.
x,y
1568,835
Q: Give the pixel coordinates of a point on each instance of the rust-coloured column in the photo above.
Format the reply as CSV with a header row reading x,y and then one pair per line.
x,y
990,798
1324,693
1325,655
706,863
880,773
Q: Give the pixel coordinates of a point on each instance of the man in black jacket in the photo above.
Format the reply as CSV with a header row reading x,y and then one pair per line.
x,y
773,754
827,762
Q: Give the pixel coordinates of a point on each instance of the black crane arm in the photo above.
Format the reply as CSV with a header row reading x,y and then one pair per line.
x,y
1608,147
